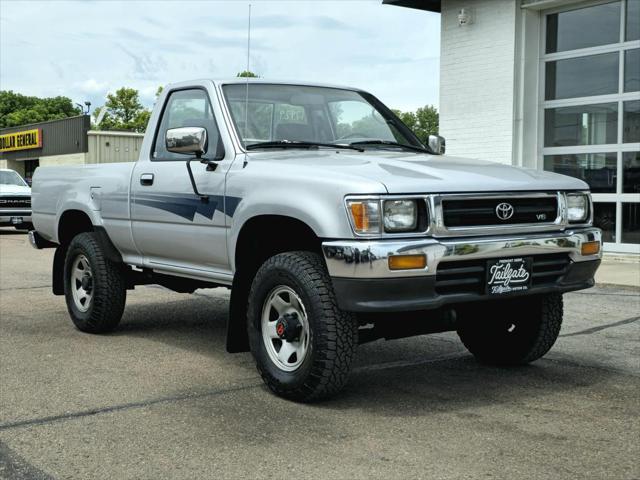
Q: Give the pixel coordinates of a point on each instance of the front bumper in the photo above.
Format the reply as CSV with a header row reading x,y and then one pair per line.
x,y
363,281
6,217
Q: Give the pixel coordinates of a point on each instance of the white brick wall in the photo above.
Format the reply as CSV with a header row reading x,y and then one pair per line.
x,y
477,79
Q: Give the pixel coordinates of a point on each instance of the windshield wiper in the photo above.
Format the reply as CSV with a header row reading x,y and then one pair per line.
x,y
392,144
298,144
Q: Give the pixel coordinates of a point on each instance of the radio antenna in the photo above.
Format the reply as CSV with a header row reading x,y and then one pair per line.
x,y
246,98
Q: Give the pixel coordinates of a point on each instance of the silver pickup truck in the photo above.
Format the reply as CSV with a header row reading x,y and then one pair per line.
x,y
332,224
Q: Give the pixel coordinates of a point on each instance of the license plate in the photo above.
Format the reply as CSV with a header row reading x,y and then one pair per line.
x,y
508,275
16,220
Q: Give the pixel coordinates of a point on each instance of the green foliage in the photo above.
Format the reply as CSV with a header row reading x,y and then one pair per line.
x,y
17,109
247,73
423,122
124,112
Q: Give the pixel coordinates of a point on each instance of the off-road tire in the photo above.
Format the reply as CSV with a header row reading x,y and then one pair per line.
x,y
109,287
511,332
333,333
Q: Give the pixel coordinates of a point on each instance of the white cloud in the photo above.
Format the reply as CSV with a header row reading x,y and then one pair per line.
x,y
390,51
92,86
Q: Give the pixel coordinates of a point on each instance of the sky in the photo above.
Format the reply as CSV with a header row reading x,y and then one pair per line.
x,y
85,49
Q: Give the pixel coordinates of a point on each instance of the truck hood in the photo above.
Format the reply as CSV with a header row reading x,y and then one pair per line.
x,y
15,190
402,172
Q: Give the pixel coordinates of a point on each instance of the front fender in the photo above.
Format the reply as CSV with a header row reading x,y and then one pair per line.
x,y
326,219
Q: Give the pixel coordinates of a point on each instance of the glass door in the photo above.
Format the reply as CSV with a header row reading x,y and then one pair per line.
x,y
591,110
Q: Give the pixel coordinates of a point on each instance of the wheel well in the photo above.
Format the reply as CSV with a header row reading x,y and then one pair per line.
x,y
267,235
260,238
73,222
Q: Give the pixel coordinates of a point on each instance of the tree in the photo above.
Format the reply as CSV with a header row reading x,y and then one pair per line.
x,y
423,122
247,73
17,109
123,112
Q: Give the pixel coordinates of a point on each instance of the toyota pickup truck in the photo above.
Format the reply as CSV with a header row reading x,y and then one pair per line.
x,y
331,223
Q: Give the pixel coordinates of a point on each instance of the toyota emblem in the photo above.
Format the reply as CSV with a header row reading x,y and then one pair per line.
x,y
504,211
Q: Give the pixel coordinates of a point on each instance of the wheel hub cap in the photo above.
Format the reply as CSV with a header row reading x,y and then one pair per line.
x,y
289,327
285,328
81,283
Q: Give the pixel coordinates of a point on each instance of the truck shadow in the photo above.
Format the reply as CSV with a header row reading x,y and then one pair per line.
x,y
12,231
414,376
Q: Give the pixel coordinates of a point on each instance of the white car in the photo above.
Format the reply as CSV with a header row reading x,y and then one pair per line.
x,y
15,200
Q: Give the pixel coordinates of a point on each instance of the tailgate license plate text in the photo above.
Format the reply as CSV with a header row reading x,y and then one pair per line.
x,y
16,220
508,275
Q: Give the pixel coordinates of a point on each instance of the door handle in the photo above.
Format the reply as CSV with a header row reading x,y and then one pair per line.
x,y
146,179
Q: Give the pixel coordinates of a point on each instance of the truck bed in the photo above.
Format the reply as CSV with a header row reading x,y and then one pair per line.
x,y
100,191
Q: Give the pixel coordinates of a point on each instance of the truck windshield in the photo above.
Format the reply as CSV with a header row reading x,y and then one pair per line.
x,y
11,178
306,114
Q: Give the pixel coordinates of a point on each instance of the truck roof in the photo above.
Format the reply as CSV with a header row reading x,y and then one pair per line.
x,y
243,80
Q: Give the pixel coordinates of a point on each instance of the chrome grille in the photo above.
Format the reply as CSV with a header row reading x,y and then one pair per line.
x,y
478,211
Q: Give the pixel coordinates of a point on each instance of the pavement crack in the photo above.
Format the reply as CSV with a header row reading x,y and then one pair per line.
x,y
24,288
599,328
125,406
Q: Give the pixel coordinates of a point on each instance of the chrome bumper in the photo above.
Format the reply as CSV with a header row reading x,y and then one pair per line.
x,y
370,258
5,217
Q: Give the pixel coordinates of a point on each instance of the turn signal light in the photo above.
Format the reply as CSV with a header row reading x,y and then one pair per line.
x,y
407,262
360,216
590,248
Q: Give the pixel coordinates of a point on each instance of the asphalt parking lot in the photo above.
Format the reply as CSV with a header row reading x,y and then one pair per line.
x,y
160,398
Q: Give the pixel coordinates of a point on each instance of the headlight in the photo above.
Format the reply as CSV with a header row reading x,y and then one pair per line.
x,y
365,216
400,215
577,207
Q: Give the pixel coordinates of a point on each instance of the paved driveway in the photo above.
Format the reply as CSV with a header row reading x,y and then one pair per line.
x,y
160,398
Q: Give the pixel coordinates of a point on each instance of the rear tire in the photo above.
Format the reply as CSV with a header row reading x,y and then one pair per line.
x,y
511,332
94,287
297,287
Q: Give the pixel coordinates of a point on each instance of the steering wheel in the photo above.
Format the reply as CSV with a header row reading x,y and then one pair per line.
x,y
353,135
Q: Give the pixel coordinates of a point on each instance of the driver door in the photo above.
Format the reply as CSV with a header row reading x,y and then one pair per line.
x,y
172,227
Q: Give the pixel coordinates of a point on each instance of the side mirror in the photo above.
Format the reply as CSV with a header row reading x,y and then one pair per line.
x,y
437,144
187,140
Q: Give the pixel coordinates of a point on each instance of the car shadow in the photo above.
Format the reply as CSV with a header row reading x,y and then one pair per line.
x,y
414,376
12,231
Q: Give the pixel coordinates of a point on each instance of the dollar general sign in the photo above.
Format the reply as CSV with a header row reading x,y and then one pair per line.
x,y
21,140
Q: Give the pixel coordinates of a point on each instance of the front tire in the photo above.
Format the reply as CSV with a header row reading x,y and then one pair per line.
x,y
302,342
511,332
94,287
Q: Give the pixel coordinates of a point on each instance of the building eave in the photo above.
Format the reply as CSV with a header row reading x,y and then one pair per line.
x,y
428,5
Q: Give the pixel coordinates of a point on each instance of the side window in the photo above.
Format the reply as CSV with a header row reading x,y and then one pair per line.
x,y
187,108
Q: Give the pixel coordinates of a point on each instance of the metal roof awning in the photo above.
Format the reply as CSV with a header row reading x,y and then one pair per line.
x,y
428,5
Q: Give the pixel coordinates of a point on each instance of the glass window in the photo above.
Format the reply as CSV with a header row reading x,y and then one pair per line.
x,y
581,125
631,172
633,20
314,114
604,217
597,169
187,108
10,177
582,76
584,27
259,118
631,223
631,122
632,69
